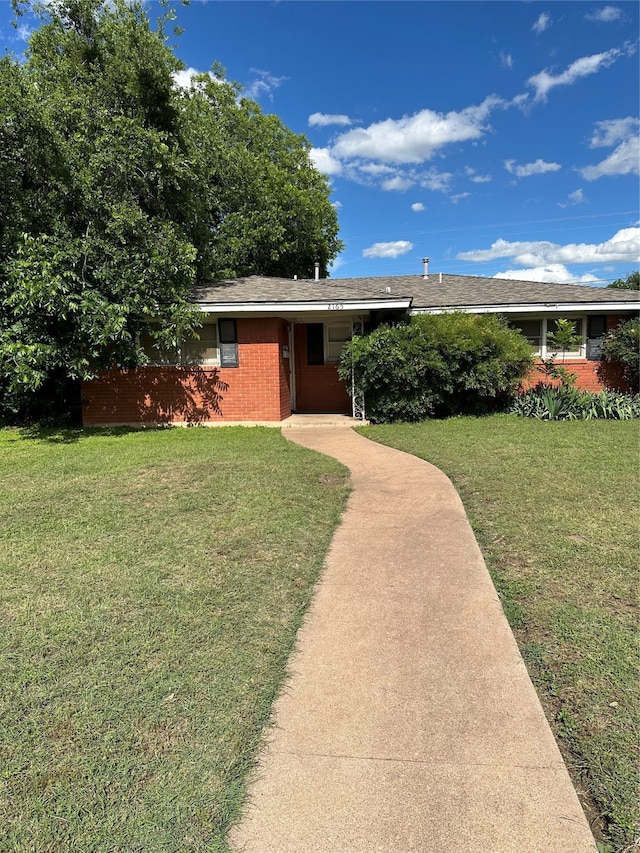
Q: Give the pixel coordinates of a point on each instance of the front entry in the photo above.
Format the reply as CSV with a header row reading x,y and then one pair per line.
x,y
316,350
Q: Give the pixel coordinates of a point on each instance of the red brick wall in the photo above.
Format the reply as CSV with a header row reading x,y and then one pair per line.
x,y
256,390
318,386
591,375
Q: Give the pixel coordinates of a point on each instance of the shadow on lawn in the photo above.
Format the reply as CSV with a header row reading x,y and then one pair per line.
x,y
71,435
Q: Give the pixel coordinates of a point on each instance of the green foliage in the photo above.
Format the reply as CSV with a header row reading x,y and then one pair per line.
x,y
436,366
564,337
120,190
631,282
622,345
566,403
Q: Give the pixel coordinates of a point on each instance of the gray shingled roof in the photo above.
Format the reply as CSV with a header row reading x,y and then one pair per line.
x,y
436,291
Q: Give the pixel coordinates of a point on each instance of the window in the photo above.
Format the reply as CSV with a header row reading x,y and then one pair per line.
x,y
315,343
228,331
532,331
337,334
157,354
597,326
191,351
204,350
577,351
537,331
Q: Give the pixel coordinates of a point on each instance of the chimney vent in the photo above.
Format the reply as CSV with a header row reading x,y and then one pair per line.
x,y
316,276
425,272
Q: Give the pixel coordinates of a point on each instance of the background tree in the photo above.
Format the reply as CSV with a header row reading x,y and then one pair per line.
x,y
119,190
631,282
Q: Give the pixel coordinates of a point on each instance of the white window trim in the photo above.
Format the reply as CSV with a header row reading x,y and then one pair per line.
x,y
214,361
326,326
547,352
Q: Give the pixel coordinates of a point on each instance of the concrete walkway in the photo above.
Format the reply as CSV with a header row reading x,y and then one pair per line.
x,y
409,722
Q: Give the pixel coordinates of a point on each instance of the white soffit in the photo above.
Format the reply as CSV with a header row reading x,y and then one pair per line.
x,y
299,307
533,308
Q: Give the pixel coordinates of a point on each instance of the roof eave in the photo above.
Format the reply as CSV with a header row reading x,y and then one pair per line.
x,y
528,307
297,307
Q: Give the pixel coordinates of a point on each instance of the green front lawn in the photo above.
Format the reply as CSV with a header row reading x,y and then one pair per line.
x,y
555,507
151,584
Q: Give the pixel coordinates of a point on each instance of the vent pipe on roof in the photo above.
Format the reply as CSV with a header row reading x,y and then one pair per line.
x,y
425,271
316,276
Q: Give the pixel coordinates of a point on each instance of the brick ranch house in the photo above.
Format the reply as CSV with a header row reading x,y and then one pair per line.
x,y
269,346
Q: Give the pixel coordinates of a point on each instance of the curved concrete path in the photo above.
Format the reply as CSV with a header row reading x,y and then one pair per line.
x,y
409,722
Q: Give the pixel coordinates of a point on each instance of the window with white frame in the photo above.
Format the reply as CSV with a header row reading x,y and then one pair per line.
x,y
336,336
532,331
574,352
536,331
202,350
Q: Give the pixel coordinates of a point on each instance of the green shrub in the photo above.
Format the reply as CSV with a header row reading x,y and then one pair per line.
x,y
623,345
570,404
437,366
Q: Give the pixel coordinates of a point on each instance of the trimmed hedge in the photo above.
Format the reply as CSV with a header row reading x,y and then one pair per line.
x,y
437,366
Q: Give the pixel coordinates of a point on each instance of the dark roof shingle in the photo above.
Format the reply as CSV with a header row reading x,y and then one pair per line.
x,y
437,291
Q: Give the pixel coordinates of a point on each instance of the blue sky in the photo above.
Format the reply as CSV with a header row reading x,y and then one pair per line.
x,y
496,138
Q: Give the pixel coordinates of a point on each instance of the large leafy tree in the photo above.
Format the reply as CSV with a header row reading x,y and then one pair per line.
x,y
631,282
118,190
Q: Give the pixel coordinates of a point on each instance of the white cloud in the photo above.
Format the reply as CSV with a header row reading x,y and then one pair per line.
x,y
417,207
434,180
607,133
556,273
376,169
387,154
416,138
324,120
398,183
576,197
459,196
543,23
388,250
337,205
336,263
185,78
264,84
624,246
625,159
537,168
586,65
506,59
324,162
477,179
606,14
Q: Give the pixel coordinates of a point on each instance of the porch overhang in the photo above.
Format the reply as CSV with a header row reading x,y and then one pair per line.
x,y
281,309
537,308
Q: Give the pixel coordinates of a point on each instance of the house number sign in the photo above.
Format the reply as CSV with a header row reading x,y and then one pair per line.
x,y
335,306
